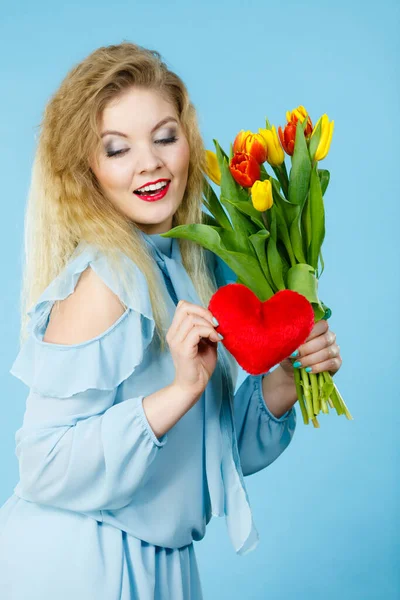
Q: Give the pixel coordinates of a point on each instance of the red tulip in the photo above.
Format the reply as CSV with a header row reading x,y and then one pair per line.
x,y
288,137
244,169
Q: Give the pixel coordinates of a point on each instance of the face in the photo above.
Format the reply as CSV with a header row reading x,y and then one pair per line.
x,y
142,143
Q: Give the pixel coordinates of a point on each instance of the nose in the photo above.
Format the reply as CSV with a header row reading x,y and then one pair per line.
x,y
147,160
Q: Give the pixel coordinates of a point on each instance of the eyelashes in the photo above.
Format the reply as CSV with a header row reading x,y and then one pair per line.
x,y
164,142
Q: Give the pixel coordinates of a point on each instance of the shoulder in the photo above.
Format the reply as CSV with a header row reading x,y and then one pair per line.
x,y
86,330
87,312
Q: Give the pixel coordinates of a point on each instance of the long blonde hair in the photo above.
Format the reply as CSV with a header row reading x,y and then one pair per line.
x,y
65,202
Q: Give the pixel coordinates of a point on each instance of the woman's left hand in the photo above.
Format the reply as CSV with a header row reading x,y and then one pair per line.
x,y
319,351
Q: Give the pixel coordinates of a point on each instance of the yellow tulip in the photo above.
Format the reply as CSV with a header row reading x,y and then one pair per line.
x,y
299,112
326,137
261,195
212,167
275,154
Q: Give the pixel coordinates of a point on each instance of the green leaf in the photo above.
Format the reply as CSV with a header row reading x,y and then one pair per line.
x,y
283,233
306,224
273,256
245,266
289,210
324,177
317,216
248,209
299,178
214,206
237,241
322,263
296,237
301,278
209,220
282,176
314,140
259,242
240,222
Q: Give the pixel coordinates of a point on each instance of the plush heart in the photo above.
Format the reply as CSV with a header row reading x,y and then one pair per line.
x,y
261,334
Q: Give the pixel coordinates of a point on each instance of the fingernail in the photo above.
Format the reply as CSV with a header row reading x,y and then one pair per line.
x,y
295,353
221,337
297,364
308,369
214,320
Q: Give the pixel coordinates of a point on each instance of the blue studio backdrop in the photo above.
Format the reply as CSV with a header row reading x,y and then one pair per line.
x,y
326,509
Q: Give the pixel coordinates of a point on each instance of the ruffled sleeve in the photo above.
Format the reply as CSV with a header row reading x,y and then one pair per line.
x,y
78,448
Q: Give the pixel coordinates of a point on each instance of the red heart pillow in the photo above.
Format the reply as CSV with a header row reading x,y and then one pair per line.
x,y
261,334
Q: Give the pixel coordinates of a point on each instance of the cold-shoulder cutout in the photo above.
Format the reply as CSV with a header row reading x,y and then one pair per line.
x,y
89,311
101,362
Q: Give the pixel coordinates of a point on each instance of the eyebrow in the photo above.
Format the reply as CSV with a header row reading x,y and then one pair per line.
x,y
162,122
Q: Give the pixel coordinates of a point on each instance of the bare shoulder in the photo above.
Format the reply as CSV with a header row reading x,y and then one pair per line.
x,y
86,313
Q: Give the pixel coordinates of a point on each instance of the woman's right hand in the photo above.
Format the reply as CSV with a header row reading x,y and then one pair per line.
x,y
193,340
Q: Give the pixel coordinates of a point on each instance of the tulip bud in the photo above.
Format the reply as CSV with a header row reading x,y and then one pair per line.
x,y
325,137
287,137
212,167
275,154
300,113
244,169
261,195
251,143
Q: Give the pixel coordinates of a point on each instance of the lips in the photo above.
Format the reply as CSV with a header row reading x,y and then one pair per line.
x,y
153,197
152,183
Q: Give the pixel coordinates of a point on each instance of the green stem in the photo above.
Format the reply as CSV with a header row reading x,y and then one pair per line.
x,y
345,410
297,380
265,219
282,176
334,398
315,393
321,381
307,392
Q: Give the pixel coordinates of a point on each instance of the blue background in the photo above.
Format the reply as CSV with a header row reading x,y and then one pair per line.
x,y
326,509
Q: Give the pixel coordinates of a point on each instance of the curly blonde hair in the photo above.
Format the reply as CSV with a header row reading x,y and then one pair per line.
x,y
65,202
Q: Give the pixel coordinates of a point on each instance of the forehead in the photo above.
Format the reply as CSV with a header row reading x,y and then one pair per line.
x,y
136,109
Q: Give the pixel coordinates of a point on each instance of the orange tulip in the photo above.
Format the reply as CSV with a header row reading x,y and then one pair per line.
x,y
251,143
244,169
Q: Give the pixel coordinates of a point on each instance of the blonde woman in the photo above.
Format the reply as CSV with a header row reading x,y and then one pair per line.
x,y
133,437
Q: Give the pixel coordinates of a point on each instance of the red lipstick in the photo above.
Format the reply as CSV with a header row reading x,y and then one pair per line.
x,y
154,197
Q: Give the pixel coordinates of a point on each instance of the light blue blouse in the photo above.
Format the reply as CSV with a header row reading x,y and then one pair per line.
x,y
85,444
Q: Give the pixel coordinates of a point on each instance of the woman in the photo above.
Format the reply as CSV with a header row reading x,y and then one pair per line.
x,y
132,436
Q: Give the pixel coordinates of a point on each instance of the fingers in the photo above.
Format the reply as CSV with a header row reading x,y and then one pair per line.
x,y
328,359
200,326
183,309
318,329
317,341
195,335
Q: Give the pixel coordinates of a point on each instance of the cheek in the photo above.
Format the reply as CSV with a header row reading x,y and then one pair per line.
x,y
114,174
181,160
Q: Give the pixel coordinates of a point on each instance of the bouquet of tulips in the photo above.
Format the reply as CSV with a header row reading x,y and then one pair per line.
x,y
272,239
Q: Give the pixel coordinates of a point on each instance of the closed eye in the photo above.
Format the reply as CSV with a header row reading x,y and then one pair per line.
x,y
165,141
